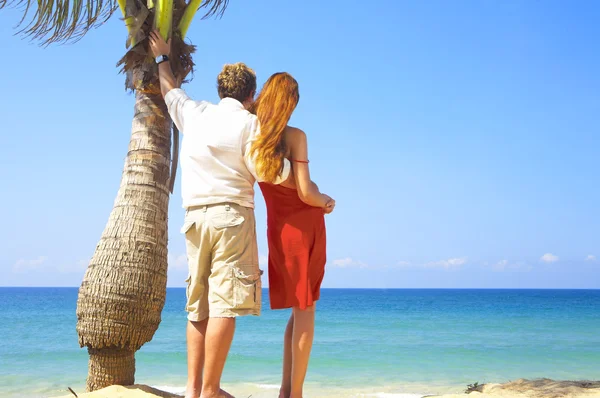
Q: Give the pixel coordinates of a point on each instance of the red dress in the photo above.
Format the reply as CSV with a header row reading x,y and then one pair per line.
x,y
296,237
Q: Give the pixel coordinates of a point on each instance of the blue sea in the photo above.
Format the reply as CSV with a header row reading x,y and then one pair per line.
x,y
369,343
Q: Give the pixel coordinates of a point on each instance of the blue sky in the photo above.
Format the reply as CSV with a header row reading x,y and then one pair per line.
x,y
460,139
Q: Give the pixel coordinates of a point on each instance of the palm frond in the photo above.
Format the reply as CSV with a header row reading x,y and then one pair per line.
x,y
188,16
142,72
61,21
213,8
163,17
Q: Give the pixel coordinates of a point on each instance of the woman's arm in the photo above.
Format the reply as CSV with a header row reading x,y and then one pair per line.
x,y
308,191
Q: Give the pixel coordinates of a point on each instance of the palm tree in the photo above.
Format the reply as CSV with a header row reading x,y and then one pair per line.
x,y
124,288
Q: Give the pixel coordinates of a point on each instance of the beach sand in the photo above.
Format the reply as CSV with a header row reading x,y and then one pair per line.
x,y
522,388
135,391
540,388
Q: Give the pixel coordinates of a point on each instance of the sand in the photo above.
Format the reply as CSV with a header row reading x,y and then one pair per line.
x,y
522,388
135,391
540,388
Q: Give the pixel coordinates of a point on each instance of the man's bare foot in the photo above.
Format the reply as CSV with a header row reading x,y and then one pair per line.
x,y
221,394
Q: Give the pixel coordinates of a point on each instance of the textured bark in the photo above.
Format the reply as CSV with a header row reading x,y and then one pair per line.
x,y
124,288
108,367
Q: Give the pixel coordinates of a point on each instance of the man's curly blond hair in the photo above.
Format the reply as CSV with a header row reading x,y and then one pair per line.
x,y
236,81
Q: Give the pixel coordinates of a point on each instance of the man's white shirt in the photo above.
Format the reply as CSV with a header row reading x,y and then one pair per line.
x,y
216,165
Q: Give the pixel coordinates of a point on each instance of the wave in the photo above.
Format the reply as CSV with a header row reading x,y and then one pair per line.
x,y
268,386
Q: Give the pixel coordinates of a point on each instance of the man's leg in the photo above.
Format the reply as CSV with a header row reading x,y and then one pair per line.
x,y
196,332
302,340
219,336
234,286
198,251
286,379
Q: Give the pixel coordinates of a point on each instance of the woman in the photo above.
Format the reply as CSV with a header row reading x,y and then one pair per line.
x,y
296,225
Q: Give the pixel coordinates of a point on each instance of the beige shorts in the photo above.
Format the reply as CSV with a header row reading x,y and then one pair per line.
x,y
224,277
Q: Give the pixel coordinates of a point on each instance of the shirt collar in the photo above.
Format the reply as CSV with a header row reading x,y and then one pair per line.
x,y
231,103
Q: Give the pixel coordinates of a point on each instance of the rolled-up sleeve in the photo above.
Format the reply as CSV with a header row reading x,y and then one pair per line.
x,y
249,137
180,106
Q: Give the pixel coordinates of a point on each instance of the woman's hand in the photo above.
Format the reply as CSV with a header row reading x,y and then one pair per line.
x,y
158,45
329,204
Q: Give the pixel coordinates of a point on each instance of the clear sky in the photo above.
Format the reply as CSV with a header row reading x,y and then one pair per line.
x,y
460,139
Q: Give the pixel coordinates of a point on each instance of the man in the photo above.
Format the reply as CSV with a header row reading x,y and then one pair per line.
x,y
217,184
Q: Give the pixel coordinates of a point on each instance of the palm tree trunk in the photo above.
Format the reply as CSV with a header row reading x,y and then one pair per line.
x,y
124,288
110,366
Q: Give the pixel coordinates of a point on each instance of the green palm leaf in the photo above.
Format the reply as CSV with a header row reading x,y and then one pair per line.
x,y
61,21
214,7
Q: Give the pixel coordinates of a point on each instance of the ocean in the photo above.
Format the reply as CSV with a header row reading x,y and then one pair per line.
x,y
368,342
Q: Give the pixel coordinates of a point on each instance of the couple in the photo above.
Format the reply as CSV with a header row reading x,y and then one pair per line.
x,y
226,148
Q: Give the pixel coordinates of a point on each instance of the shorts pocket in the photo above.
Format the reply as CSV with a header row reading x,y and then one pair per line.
x,y
188,282
247,286
226,219
187,225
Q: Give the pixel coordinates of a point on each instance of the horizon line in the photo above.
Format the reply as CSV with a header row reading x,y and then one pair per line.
x,y
356,288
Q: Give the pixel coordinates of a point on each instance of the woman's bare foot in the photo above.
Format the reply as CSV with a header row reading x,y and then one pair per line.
x,y
192,393
221,394
283,394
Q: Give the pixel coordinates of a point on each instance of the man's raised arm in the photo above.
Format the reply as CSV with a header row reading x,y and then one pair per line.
x,y
178,102
161,51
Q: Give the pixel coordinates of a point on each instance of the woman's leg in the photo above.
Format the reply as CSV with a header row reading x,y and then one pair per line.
x,y
302,340
286,379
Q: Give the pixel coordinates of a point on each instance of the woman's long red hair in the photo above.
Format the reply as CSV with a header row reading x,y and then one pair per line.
x,y
273,107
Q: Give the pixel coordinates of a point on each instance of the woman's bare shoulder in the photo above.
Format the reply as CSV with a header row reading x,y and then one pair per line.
x,y
294,134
